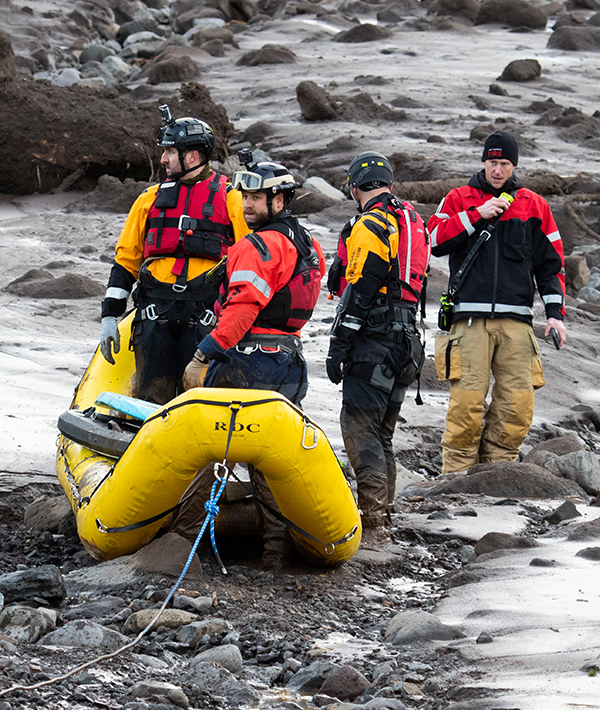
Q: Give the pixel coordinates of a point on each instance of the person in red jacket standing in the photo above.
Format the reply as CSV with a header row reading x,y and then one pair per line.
x,y
493,308
272,286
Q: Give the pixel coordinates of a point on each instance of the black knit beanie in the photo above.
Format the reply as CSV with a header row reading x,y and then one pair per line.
x,y
501,145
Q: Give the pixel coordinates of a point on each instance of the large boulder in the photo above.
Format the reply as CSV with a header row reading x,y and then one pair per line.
x,y
514,13
576,39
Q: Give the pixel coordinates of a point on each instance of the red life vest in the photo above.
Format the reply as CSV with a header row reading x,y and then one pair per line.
x,y
291,307
407,273
189,220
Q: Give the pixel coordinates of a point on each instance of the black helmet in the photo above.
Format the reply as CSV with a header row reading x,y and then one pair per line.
x,y
188,134
370,170
265,177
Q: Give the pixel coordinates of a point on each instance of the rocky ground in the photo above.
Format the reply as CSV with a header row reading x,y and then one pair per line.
x,y
448,616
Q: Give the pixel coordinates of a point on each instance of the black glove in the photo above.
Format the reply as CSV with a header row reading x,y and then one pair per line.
x,y
339,346
334,369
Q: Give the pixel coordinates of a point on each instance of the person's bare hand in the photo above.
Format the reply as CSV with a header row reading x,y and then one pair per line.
x,y
493,207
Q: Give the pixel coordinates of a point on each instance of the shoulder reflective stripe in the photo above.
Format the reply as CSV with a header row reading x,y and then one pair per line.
x,y
252,278
554,237
116,292
553,298
466,222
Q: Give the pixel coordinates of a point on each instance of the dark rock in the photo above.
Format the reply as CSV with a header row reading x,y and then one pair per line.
x,y
172,70
521,70
577,273
406,102
539,562
220,682
498,90
46,582
106,606
363,33
71,286
559,446
268,54
307,202
514,13
584,532
469,9
493,541
311,678
94,53
214,47
345,683
566,511
48,514
505,479
575,39
589,553
315,102
408,627
111,195
484,637
206,35
257,132
131,27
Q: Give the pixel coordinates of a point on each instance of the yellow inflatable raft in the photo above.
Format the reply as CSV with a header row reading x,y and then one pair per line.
x,y
179,439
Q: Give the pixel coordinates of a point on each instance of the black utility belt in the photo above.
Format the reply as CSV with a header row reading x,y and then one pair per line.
x,y
287,343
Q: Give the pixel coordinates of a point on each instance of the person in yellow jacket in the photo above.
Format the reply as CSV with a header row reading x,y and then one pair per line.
x,y
174,236
375,346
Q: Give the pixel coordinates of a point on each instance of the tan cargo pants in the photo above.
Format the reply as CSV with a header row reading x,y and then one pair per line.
x,y
466,356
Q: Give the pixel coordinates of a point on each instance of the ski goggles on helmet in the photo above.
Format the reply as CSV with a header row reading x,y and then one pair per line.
x,y
246,180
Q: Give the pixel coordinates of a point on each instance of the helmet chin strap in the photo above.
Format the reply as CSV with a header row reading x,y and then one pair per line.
x,y
356,202
184,171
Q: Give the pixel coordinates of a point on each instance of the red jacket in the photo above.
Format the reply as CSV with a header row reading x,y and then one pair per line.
x,y
525,250
254,277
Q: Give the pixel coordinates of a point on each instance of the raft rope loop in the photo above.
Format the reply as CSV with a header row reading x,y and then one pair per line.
x,y
212,510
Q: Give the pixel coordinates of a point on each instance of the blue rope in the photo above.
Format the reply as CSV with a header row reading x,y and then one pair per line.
x,y
212,510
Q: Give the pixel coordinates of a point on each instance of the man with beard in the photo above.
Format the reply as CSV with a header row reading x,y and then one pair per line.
x,y
174,235
492,315
272,285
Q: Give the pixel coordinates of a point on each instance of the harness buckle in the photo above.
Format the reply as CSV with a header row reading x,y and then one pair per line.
x,y
150,312
247,349
187,223
179,288
208,319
